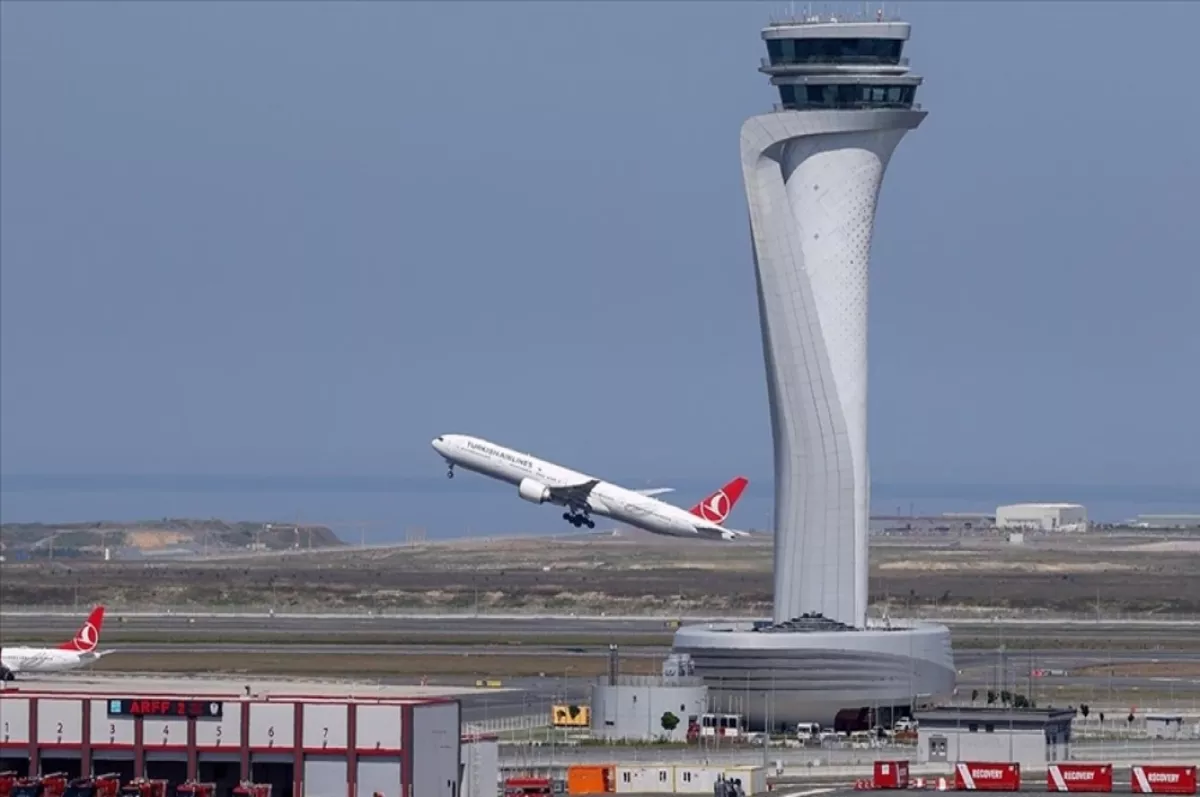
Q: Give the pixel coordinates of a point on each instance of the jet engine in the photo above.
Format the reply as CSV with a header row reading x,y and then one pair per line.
x,y
533,491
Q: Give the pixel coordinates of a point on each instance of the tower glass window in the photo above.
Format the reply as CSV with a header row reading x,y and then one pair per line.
x,y
781,52
845,95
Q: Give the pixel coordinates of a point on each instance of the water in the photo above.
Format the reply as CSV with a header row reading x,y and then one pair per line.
x,y
381,509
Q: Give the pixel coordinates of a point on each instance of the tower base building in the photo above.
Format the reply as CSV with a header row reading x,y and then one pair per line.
x,y
810,670
812,170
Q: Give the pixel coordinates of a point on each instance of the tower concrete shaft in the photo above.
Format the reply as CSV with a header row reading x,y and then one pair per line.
x,y
812,172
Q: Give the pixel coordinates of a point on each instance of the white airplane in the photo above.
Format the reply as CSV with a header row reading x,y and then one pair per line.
x,y
79,652
542,482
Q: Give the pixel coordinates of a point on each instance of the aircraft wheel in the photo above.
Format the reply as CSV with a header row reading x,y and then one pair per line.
x,y
6,674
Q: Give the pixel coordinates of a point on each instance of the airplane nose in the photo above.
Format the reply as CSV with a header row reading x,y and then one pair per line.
x,y
438,444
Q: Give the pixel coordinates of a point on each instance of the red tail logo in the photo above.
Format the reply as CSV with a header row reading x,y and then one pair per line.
x,y
717,506
88,636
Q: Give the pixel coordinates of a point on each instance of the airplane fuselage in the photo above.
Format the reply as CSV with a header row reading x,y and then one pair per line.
x,y
23,659
530,475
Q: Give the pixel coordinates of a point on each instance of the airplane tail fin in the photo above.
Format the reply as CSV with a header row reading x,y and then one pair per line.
x,y
716,507
88,636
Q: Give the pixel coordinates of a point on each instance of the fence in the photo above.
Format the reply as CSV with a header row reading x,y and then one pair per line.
x,y
808,761
521,722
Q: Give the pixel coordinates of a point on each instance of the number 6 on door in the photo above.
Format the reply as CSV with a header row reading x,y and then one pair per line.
x,y
271,725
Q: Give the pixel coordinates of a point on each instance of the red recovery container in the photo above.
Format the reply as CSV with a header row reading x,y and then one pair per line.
x,y
1161,779
194,788
41,786
246,789
144,787
1079,777
987,776
891,774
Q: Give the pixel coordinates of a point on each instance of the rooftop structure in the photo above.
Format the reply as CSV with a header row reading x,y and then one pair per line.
x,y
257,688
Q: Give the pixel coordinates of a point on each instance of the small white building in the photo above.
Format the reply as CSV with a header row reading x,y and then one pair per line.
x,y
1165,726
1042,517
1029,737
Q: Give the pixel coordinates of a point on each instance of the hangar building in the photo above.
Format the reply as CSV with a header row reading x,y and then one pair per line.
x,y
1042,517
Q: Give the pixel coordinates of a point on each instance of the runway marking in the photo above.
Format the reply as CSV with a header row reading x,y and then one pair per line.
x,y
810,792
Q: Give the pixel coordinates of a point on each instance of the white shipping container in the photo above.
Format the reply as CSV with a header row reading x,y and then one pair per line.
x,y
696,779
645,779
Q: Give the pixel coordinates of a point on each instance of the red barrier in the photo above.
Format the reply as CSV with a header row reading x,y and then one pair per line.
x,y
987,776
891,774
1162,779
1079,777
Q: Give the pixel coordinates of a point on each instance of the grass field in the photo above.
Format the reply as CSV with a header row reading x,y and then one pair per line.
x,y
981,574
448,668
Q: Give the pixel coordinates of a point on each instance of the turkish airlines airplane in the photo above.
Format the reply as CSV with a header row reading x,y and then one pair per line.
x,y
79,652
542,482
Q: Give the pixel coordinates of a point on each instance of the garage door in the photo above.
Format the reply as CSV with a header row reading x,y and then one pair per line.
x,y
324,776
379,775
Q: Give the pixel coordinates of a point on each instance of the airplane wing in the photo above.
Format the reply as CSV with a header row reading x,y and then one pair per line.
x,y
573,495
721,533
655,491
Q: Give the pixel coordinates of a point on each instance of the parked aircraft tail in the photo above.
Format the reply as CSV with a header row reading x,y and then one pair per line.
x,y
88,636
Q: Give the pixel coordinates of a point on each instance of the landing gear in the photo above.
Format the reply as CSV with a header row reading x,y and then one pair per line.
x,y
7,674
578,520
450,472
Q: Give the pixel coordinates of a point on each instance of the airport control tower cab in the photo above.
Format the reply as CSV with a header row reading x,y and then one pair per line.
x,y
823,63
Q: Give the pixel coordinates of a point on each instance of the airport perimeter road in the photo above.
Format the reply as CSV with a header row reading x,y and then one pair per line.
x,y
794,758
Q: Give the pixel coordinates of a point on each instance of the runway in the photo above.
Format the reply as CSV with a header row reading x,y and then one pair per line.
x,y
1149,632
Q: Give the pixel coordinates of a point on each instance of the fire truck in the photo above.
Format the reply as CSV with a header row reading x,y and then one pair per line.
x,y
247,789
97,786
193,788
6,783
40,786
144,787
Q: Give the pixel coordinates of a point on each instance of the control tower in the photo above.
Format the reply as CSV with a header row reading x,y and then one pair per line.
x,y
812,170
812,173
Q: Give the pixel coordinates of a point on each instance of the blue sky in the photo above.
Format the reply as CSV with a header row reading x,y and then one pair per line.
x,y
306,238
